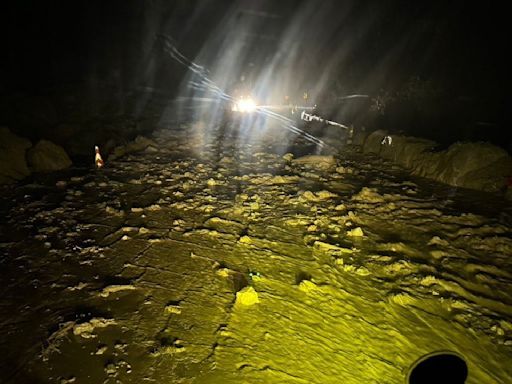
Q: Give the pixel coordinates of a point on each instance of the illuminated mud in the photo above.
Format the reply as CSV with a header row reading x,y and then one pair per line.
x,y
347,270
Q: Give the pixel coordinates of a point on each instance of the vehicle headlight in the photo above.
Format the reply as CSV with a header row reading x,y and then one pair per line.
x,y
244,105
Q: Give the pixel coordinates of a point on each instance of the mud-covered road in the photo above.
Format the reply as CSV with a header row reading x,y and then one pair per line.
x,y
193,262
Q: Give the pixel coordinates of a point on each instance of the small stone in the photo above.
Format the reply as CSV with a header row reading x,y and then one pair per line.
x,y
308,195
288,156
110,369
436,240
125,237
223,272
356,232
362,271
173,309
87,330
498,330
111,210
247,296
101,350
120,347
307,286
112,289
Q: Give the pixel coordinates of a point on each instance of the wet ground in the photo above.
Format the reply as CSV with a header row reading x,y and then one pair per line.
x,y
196,263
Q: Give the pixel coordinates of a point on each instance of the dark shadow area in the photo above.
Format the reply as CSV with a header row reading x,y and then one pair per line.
x,y
442,368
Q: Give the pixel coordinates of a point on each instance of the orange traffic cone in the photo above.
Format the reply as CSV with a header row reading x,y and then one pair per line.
x,y
99,161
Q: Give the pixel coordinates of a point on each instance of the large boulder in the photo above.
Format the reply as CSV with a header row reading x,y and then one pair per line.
x,y
46,156
13,165
480,166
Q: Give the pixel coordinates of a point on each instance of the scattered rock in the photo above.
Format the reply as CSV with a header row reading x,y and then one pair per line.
x,y
318,196
368,195
87,330
141,143
101,350
223,225
107,291
317,161
110,369
340,207
288,156
331,249
173,308
436,240
69,380
356,232
307,286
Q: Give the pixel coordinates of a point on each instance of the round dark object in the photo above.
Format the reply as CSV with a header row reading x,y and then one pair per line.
x,y
443,367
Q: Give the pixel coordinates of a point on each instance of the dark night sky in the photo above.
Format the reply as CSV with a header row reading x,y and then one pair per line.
x,y
447,39
367,45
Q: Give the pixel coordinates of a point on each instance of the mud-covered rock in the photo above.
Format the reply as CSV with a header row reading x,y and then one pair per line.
x,y
247,297
480,166
46,156
141,143
317,161
13,165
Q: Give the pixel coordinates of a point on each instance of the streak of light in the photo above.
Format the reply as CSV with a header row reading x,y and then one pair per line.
x,y
206,84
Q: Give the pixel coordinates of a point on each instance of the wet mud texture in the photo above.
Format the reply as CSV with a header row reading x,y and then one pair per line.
x,y
229,262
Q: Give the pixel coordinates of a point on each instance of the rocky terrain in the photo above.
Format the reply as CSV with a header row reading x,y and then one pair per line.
x,y
200,260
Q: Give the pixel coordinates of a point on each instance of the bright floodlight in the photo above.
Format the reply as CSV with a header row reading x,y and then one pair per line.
x,y
244,105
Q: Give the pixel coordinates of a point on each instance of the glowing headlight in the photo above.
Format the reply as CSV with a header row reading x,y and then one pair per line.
x,y
244,105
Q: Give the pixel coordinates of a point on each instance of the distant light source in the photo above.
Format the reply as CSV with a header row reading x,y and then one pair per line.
x,y
245,105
